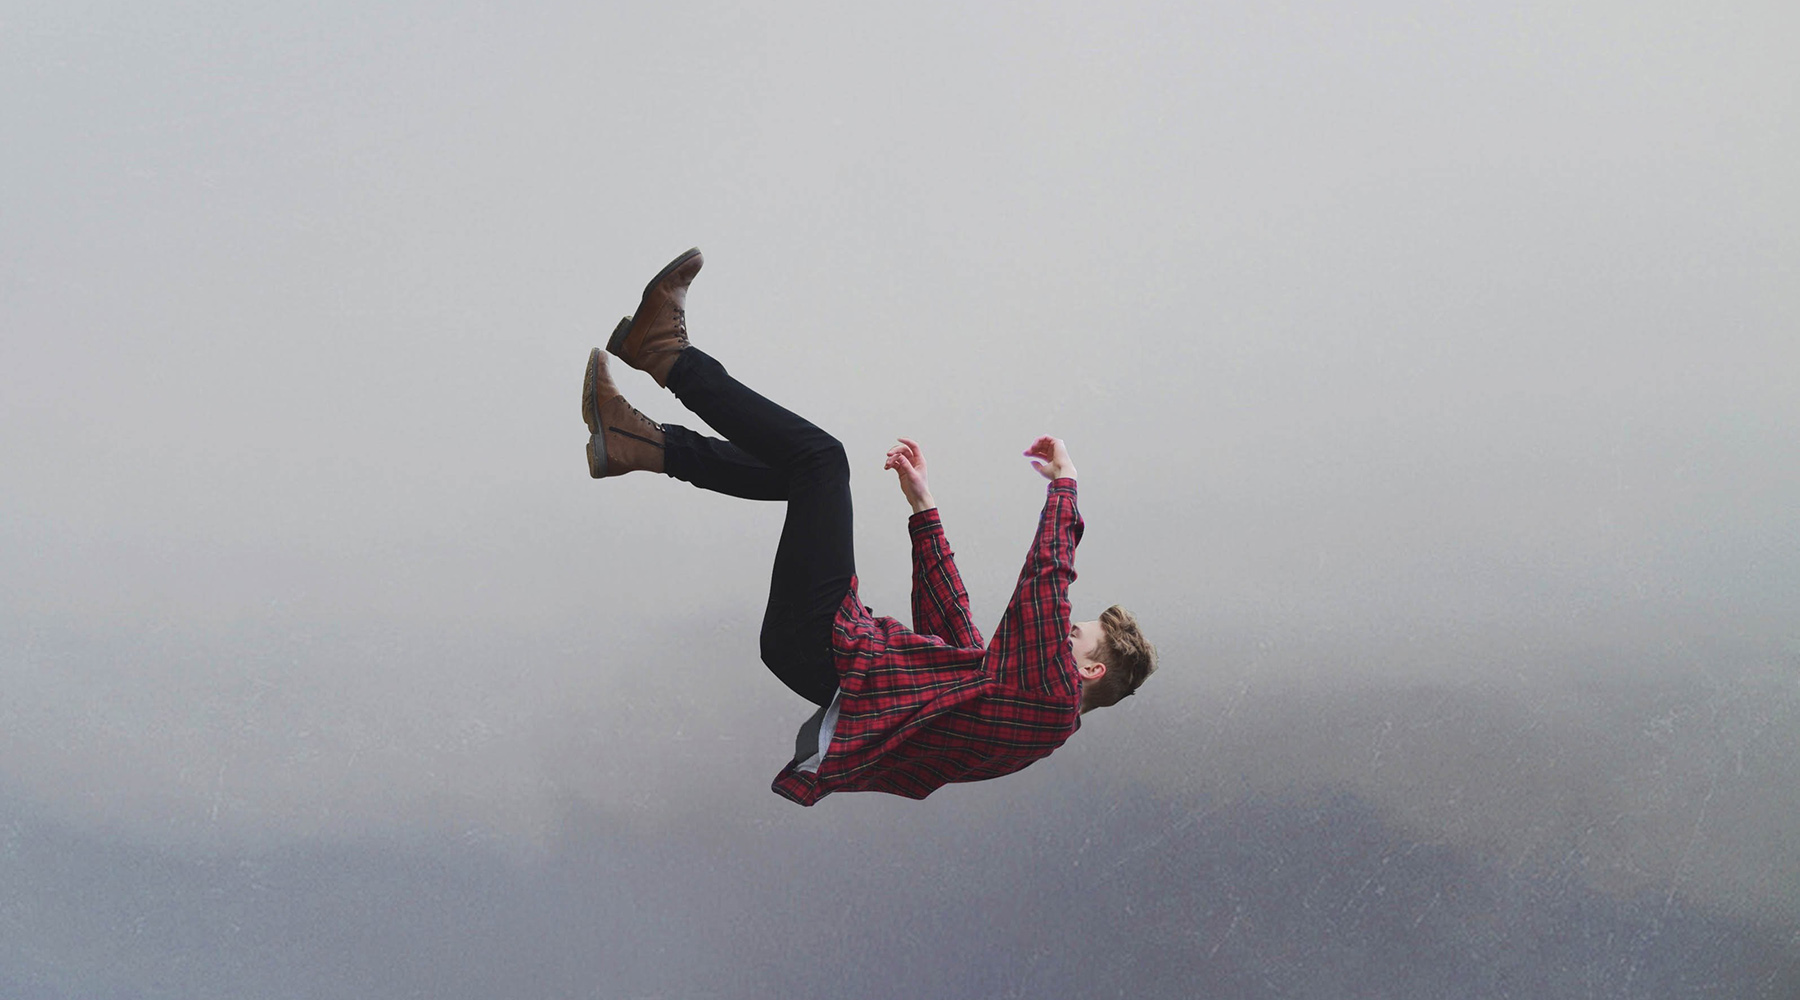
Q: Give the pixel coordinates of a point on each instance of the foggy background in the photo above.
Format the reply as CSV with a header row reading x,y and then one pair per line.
x,y
1430,370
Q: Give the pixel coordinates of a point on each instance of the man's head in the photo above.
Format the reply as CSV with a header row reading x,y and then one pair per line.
x,y
1112,656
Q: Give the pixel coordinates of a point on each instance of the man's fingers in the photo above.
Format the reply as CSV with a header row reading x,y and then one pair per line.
x,y
1046,447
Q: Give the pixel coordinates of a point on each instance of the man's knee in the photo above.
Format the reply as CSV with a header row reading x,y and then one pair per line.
x,y
825,460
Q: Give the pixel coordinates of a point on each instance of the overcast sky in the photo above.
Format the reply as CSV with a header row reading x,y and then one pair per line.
x,y
1431,370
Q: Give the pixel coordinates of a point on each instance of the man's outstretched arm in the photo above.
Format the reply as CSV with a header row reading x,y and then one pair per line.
x,y
940,604
1032,641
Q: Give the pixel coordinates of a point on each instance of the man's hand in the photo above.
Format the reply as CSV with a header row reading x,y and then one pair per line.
x,y
1054,458
908,461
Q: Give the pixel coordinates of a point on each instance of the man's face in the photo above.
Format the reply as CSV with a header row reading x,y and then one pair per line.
x,y
1084,639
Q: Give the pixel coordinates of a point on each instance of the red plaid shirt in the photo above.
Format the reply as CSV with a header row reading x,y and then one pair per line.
x,y
922,708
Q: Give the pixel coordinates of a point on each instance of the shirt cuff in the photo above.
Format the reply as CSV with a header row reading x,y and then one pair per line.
x,y
924,520
1063,483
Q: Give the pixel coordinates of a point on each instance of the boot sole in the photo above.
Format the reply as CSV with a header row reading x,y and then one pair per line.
x,y
597,456
590,407
624,331
617,340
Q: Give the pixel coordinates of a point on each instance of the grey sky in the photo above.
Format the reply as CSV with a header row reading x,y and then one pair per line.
x,y
1430,370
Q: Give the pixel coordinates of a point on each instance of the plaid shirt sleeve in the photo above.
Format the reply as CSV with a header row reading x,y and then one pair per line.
x,y
940,604
1032,639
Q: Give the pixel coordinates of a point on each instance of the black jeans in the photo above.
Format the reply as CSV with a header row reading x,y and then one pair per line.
x,y
774,454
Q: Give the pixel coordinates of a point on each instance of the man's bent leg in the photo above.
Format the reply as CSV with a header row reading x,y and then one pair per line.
x,y
720,466
816,557
774,435
813,567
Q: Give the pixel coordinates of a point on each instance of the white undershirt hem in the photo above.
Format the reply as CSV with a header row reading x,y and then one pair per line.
x,y
826,727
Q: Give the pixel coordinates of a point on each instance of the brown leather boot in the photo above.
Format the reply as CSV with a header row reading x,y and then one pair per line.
x,y
653,337
620,438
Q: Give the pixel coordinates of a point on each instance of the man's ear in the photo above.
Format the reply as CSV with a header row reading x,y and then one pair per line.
x,y
1092,671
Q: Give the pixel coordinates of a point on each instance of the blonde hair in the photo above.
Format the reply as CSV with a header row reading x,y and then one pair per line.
x,y
1128,656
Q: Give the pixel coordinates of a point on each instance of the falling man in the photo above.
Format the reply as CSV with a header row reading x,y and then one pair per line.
x,y
900,710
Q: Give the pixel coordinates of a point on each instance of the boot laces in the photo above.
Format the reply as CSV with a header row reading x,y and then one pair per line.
x,y
640,418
